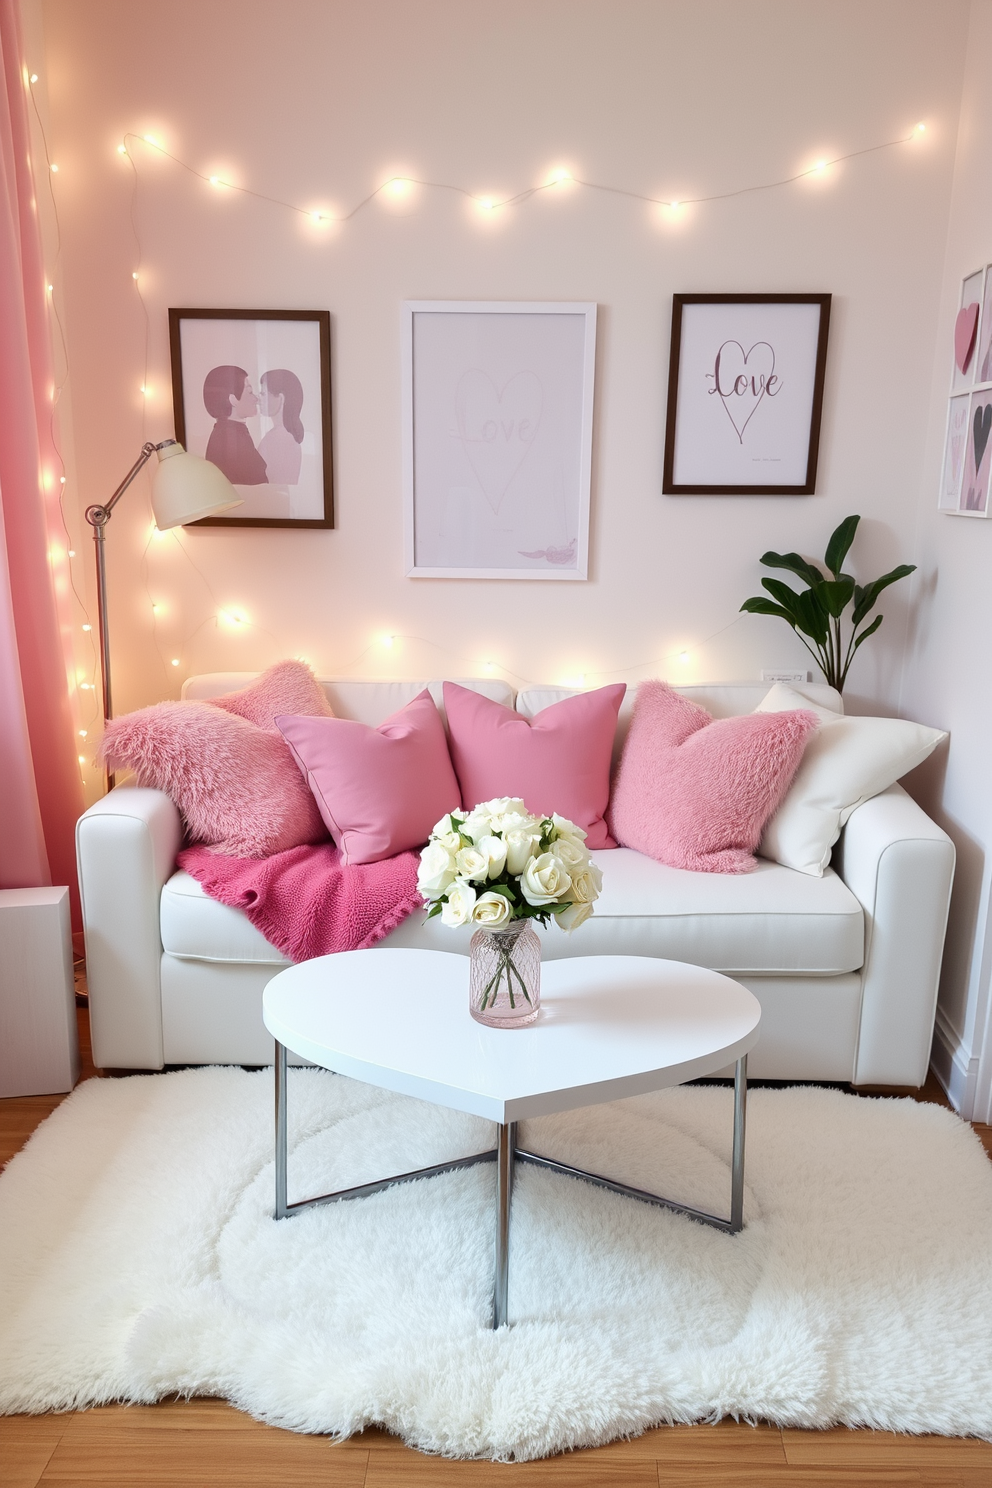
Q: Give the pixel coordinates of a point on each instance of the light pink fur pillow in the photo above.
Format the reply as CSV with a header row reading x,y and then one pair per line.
x,y
287,687
694,792
236,785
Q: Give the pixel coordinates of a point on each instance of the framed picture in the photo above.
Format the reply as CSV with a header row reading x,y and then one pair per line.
x,y
497,438
745,393
964,477
251,391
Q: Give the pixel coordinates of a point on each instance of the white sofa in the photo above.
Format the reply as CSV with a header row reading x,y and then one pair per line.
x,y
845,966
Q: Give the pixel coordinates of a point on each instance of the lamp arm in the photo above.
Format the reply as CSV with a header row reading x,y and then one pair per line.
x,y
98,517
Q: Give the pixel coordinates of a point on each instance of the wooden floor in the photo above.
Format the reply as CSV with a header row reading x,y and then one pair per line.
x,y
207,1442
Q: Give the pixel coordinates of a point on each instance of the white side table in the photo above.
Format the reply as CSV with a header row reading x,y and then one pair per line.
x,y
610,1027
39,1043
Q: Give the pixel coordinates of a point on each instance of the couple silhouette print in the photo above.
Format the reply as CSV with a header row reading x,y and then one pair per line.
x,y
229,398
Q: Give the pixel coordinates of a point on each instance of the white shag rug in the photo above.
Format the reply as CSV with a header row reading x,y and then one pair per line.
x,y
138,1257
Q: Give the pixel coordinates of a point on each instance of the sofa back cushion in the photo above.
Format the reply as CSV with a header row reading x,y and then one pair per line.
x,y
557,761
379,790
364,700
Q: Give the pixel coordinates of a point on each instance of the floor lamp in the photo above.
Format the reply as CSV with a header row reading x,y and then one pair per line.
x,y
184,488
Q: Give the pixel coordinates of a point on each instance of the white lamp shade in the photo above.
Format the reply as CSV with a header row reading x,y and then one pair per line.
x,y
185,488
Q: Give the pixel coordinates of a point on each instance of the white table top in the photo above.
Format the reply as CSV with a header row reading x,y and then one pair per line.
x,y
610,1026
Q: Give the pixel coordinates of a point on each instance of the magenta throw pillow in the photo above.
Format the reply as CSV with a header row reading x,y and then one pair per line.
x,y
379,790
557,761
236,786
287,687
695,792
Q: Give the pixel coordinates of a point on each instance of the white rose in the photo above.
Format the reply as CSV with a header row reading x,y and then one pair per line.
x,y
476,825
567,829
436,872
457,908
503,806
495,850
586,884
521,845
570,854
450,840
473,863
491,910
507,813
573,916
444,826
544,880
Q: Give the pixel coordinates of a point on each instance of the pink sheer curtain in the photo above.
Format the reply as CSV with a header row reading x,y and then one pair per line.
x,y
40,791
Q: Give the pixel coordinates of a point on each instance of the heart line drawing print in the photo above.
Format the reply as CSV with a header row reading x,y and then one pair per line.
x,y
745,394
498,404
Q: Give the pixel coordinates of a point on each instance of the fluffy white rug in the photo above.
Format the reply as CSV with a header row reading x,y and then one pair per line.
x,y
138,1257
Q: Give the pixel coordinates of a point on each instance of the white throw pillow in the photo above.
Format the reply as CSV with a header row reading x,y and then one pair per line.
x,y
847,761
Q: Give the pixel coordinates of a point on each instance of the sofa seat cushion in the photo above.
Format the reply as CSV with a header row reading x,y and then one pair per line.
x,y
772,922
197,927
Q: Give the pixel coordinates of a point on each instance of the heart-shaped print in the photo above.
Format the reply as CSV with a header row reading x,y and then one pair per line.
x,y
981,429
497,428
742,380
964,335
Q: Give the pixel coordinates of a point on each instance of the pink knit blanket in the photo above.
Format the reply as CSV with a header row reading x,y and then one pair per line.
x,y
305,902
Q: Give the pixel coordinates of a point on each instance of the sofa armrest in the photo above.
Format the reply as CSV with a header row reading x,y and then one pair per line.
x,y
126,846
900,865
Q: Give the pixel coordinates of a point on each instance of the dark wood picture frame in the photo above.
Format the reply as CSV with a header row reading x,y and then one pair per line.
x,y
762,487
324,464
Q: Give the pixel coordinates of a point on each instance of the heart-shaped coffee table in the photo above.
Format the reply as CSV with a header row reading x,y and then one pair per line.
x,y
610,1027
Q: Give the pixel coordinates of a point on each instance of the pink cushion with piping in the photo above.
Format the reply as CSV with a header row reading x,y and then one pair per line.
x,y
557,761
694,792
378,790
236,785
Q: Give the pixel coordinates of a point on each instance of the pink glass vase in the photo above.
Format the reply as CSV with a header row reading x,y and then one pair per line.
x,y
505,976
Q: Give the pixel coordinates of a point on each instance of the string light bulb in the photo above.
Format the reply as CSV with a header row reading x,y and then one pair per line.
x,y
387,641
55,169
683,656
150,140
485,203
87,627
921,129
82,733
134,275
122,149
72,552
34,77
559,176
175,661
81,758
215,180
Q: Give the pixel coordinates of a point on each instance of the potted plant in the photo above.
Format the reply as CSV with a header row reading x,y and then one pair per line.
x,y
818,610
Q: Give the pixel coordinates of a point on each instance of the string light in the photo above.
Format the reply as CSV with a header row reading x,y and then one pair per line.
x,y
34,77
87,627
72,552
387,641
122,149
81,758
55,170
82,733
400,186
175,661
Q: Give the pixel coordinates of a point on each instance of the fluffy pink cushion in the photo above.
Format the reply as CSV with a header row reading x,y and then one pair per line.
x,y
236,785
287,687
559,760
379,790
696,793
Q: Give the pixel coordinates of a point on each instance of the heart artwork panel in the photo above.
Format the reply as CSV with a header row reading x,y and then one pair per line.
x,y
497,426
965,330
981,429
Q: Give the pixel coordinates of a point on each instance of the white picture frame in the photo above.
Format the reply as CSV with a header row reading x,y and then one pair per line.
x,y
966,468
497,438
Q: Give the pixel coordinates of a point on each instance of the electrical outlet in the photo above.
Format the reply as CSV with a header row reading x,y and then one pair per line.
x,y
785,676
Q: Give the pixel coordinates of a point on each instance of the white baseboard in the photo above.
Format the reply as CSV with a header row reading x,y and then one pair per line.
x,y
955,1067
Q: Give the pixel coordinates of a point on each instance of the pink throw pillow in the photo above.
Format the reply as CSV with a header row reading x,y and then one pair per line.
x,y
694,792
379,790
557,761
287,687
236,785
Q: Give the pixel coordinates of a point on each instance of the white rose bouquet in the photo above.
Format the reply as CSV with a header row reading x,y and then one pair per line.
x,y
499,863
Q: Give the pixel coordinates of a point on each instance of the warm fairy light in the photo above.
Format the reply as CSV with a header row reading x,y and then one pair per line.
x,y
86,687
51,288
489,666
134,275
232,617
485,203
921,129
559,176
683,656
150,140
387,641
55,169
146,390
72,552
820,165
215,180
398,186
318,216
156,608
87,627
34,77
61,480
579,680
175,661
674,205
122,149
81,758
82,733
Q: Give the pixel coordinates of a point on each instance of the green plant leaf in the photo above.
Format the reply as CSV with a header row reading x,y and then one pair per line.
x,y
840,545
865,602
783,594
795,563
866,633
836,595
814,618
435,909
759,605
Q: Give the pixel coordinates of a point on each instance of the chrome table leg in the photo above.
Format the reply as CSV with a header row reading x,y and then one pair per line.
x,y
505,1152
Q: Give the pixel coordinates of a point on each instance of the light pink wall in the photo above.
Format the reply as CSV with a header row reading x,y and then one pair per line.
x,y
948,672
318,101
